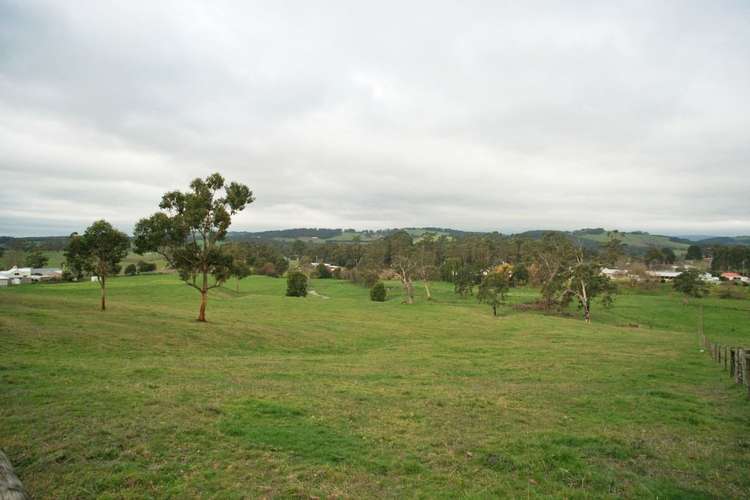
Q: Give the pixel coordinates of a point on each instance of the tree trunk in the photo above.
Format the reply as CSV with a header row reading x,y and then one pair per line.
x,y
494,309
587,311
204,298
427,290
409,292
238,286
104,293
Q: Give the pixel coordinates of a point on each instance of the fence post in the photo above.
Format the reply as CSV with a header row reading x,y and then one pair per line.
x,y
732,358
726,357
746,374
738,365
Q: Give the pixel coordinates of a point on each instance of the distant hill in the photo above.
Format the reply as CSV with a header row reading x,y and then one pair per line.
x,y
637,241
725,240
340,235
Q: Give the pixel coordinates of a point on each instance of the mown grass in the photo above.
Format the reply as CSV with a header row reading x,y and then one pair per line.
x,y
340,396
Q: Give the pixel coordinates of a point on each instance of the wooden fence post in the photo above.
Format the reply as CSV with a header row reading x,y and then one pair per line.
x,y
732,360
726,356
10,486
746,375
738,365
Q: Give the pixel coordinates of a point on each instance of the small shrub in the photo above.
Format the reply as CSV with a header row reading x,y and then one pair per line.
x,y
378,292
268,269
146,267
323,272
296,284
130,270
730,291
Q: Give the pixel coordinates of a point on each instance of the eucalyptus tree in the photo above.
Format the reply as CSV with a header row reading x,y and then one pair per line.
x,y
402,257
567,274
582,282
494,286
36,259
653,256
426,257
189,229
97,251
552,255
613,249
239,268
690,283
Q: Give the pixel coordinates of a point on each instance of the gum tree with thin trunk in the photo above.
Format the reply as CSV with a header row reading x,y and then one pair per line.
x,y
97,251
189,230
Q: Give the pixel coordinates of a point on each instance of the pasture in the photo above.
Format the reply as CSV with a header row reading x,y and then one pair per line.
x,y
338,396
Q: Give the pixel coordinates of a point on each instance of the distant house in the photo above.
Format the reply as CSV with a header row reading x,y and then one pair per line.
x,y
46,273
709,278
732,276
330,267
16,272
22,275
614,273
664,275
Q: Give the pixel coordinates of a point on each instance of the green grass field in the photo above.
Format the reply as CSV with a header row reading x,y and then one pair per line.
x,y
337,396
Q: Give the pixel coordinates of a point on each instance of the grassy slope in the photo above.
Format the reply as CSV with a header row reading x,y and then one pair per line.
x,y
641,241
280,396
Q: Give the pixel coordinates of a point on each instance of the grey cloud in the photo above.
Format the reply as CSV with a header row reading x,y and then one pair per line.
x,y
477,115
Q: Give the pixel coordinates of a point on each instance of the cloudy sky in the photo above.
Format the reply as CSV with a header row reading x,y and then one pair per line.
x,y
472,115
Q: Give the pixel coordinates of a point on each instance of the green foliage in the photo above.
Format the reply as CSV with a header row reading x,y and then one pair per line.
x,y
613,249
554,256
378,292
730,291
690,284
520,276
130,270
36,259
296,284
265,259
323,272
568,273
298,248
668,255
731,258
146,267
694,252
189,231
653,256
493,289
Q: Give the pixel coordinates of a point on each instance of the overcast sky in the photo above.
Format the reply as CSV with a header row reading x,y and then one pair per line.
x,y
472,115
